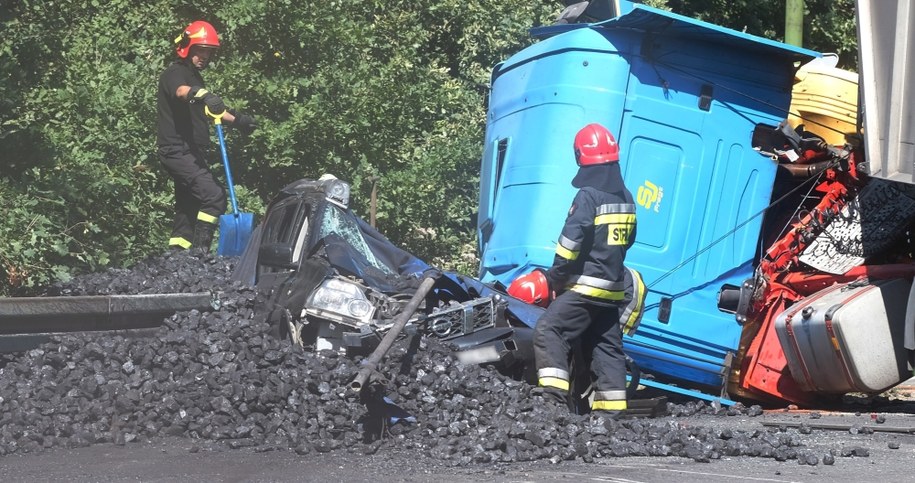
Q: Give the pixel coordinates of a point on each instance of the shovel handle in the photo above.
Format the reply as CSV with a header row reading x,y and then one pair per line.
x,y
225,159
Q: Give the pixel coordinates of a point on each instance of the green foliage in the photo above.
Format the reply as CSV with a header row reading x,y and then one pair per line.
x,y
392,91
766,18
79,188
829,25
362,89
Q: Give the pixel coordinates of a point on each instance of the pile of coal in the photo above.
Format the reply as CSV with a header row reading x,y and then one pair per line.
x,y
218,378
175,272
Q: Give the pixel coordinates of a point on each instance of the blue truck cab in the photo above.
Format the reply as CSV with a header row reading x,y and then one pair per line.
x,y
683,98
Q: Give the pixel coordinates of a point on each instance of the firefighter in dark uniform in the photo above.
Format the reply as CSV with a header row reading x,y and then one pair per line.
x,y
184,137
595,288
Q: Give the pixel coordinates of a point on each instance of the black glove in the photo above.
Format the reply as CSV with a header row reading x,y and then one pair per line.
x,y
245,123
212,101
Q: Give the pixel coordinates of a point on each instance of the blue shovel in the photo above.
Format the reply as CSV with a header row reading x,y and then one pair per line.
x,y
234,229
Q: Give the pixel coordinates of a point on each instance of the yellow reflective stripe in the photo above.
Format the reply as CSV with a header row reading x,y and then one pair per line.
x,y
200,93
615,218
598,282
569,244
619,405
566,253
199,34
631,322
599,293
181,242
610,395
207,218
635,307
553,382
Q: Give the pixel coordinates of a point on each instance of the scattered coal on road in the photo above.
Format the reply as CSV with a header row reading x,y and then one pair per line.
x,y
218,378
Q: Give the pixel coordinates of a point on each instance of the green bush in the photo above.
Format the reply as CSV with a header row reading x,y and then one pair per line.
x,y
392,91
360,89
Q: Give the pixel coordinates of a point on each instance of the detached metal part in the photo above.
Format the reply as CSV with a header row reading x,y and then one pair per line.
x,y
840,427
495,351
512,347
370,363
36,315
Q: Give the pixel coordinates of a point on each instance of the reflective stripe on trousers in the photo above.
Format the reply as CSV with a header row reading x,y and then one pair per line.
x,y
609,401
553,377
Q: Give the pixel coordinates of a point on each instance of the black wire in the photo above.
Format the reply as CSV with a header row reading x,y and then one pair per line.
x,y
799,213
708,247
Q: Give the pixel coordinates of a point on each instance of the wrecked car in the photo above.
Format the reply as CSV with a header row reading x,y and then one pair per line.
x,y
327,280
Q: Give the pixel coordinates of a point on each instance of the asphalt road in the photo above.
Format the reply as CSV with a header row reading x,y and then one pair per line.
x,y
178,459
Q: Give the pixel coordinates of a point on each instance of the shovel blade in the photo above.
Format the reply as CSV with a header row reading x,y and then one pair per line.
x,y
234,233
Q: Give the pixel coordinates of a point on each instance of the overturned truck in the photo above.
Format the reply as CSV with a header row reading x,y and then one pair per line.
x,y
775,234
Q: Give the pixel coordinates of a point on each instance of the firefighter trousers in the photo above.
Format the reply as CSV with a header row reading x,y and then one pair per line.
x,y
198,196
573,317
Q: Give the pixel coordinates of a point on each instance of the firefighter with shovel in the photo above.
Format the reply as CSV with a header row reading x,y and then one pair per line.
x,y
184,137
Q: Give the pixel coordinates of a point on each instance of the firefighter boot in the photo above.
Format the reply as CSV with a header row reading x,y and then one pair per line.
x,y
612,414
552,398
203,237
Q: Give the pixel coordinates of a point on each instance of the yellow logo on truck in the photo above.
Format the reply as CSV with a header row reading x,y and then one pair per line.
x,y
650,194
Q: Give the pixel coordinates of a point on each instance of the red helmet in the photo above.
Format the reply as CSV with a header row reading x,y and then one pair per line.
x,y
595,145
197,33
532,288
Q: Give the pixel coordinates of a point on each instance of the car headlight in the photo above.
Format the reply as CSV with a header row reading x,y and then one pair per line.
x,y
337,192
341,301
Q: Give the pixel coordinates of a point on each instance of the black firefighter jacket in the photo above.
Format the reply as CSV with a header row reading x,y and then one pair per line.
x,y
589,257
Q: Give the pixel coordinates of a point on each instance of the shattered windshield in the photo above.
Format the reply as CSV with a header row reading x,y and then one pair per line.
x,y
335,221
